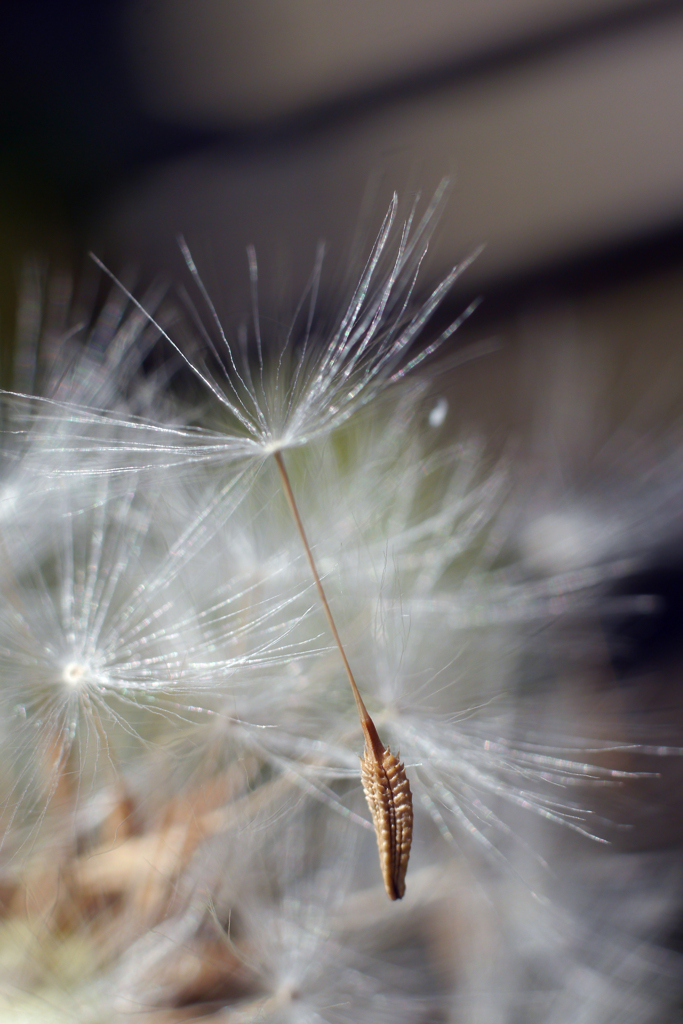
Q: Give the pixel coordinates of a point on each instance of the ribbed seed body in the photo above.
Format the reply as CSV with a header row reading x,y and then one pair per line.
x,y
387,792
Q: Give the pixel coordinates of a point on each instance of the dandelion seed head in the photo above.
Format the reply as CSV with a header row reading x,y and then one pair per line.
x,y
105,649
163,634
77,674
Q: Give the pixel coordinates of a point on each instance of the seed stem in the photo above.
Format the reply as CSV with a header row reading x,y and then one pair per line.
x,y
367,724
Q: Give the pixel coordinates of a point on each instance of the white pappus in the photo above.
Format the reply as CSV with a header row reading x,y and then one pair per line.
x,y
163,653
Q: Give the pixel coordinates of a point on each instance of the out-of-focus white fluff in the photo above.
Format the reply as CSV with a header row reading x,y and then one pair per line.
x,y
178,731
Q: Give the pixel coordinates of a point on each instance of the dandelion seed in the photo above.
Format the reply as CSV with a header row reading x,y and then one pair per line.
x,y
442,644
387,789
305,396
387,792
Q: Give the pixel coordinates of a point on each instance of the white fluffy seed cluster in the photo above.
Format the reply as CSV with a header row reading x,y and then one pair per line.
x,y
182,822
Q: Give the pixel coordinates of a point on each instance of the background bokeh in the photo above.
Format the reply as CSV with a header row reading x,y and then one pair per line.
x,y
560,124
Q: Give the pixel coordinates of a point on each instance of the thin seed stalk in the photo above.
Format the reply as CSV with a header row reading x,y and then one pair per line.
x,y
386,787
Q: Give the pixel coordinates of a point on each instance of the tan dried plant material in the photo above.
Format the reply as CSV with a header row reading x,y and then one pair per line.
x,y
386,787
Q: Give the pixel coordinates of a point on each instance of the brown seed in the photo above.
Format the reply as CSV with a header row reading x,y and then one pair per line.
x,y
386,787
387,792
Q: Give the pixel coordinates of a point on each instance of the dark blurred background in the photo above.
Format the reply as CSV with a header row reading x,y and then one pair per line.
x,y
561,124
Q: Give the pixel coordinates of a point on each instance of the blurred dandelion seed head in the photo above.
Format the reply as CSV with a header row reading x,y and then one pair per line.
x,y
175,725
79,673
